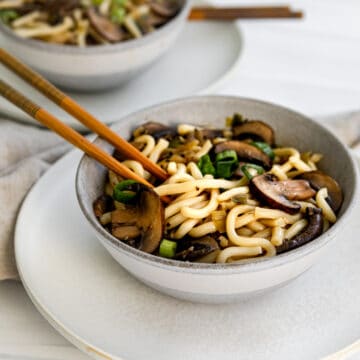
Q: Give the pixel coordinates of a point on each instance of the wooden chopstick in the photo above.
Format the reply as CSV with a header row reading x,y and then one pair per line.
x,y
67,132
76,110
234,13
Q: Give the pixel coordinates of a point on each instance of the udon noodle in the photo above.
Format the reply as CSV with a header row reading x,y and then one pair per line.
x,y
272,200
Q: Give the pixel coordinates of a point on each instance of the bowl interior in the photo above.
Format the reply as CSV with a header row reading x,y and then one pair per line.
x,y
291,129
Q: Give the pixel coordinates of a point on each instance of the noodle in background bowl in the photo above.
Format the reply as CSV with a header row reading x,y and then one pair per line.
x,y
220,283
97,67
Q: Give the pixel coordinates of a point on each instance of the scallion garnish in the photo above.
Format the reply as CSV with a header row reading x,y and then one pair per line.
x,y
8,15
118,15
123,191
167,248
226,155
206,166
265,148
246,169
226,163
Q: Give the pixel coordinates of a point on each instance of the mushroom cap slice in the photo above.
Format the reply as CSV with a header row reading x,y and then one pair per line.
x,y
104,27
312,231
319,180
165,8
151,219
60,7
245,152
142,222
278,194
125,232
197,248
254,129
206,133
155,129
102,205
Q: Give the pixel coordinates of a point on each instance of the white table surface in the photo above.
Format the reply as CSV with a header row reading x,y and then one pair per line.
x,y
310,65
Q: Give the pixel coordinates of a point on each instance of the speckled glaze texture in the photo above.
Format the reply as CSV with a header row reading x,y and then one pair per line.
x,y
216,283
98,67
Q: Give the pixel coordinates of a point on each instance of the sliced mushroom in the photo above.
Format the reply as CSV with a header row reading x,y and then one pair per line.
x,y
142,222
103,205
125,232
165,8
319,180
60,8
151,221
197,248
156,20
245,152
104,27
128,215
155,129
313,230
204,134
278,194
254,129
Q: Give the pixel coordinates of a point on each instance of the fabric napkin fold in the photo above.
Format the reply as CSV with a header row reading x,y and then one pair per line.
x,y
26,152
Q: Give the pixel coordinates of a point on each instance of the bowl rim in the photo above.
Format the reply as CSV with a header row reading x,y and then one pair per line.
x,y
101,49
251,265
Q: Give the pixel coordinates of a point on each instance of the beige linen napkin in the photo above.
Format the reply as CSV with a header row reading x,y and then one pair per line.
x,y
26,152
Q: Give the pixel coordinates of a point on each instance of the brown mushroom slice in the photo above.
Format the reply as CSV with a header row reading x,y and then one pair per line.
x,y
103,205
198,248
165,9
151,219
128,215
143,221
205,133
154,129
156,20
245,152
104,27
125,232
278,194
312,231
254,129
60,8
319,180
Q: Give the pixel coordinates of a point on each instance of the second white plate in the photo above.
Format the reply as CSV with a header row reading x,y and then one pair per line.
x,y
201,59
108,314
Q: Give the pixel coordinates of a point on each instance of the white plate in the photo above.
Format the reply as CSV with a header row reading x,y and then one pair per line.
x,y
93,302
202,58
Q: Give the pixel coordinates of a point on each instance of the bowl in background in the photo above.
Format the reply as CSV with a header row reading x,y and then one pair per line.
x,y
97,67
218,283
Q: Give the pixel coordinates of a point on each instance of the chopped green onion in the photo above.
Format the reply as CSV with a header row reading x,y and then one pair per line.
x,y
123,192
237,119
246,170
175,142
120,3
8,15
118,15
167,248
225,169
226,155
265,148
226,163
206,166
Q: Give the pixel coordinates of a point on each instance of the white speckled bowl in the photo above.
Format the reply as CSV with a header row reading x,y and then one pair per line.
x,y
216,283
97,67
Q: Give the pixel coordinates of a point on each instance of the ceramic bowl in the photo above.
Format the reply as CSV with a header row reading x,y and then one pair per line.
x,y
219,283
98,67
